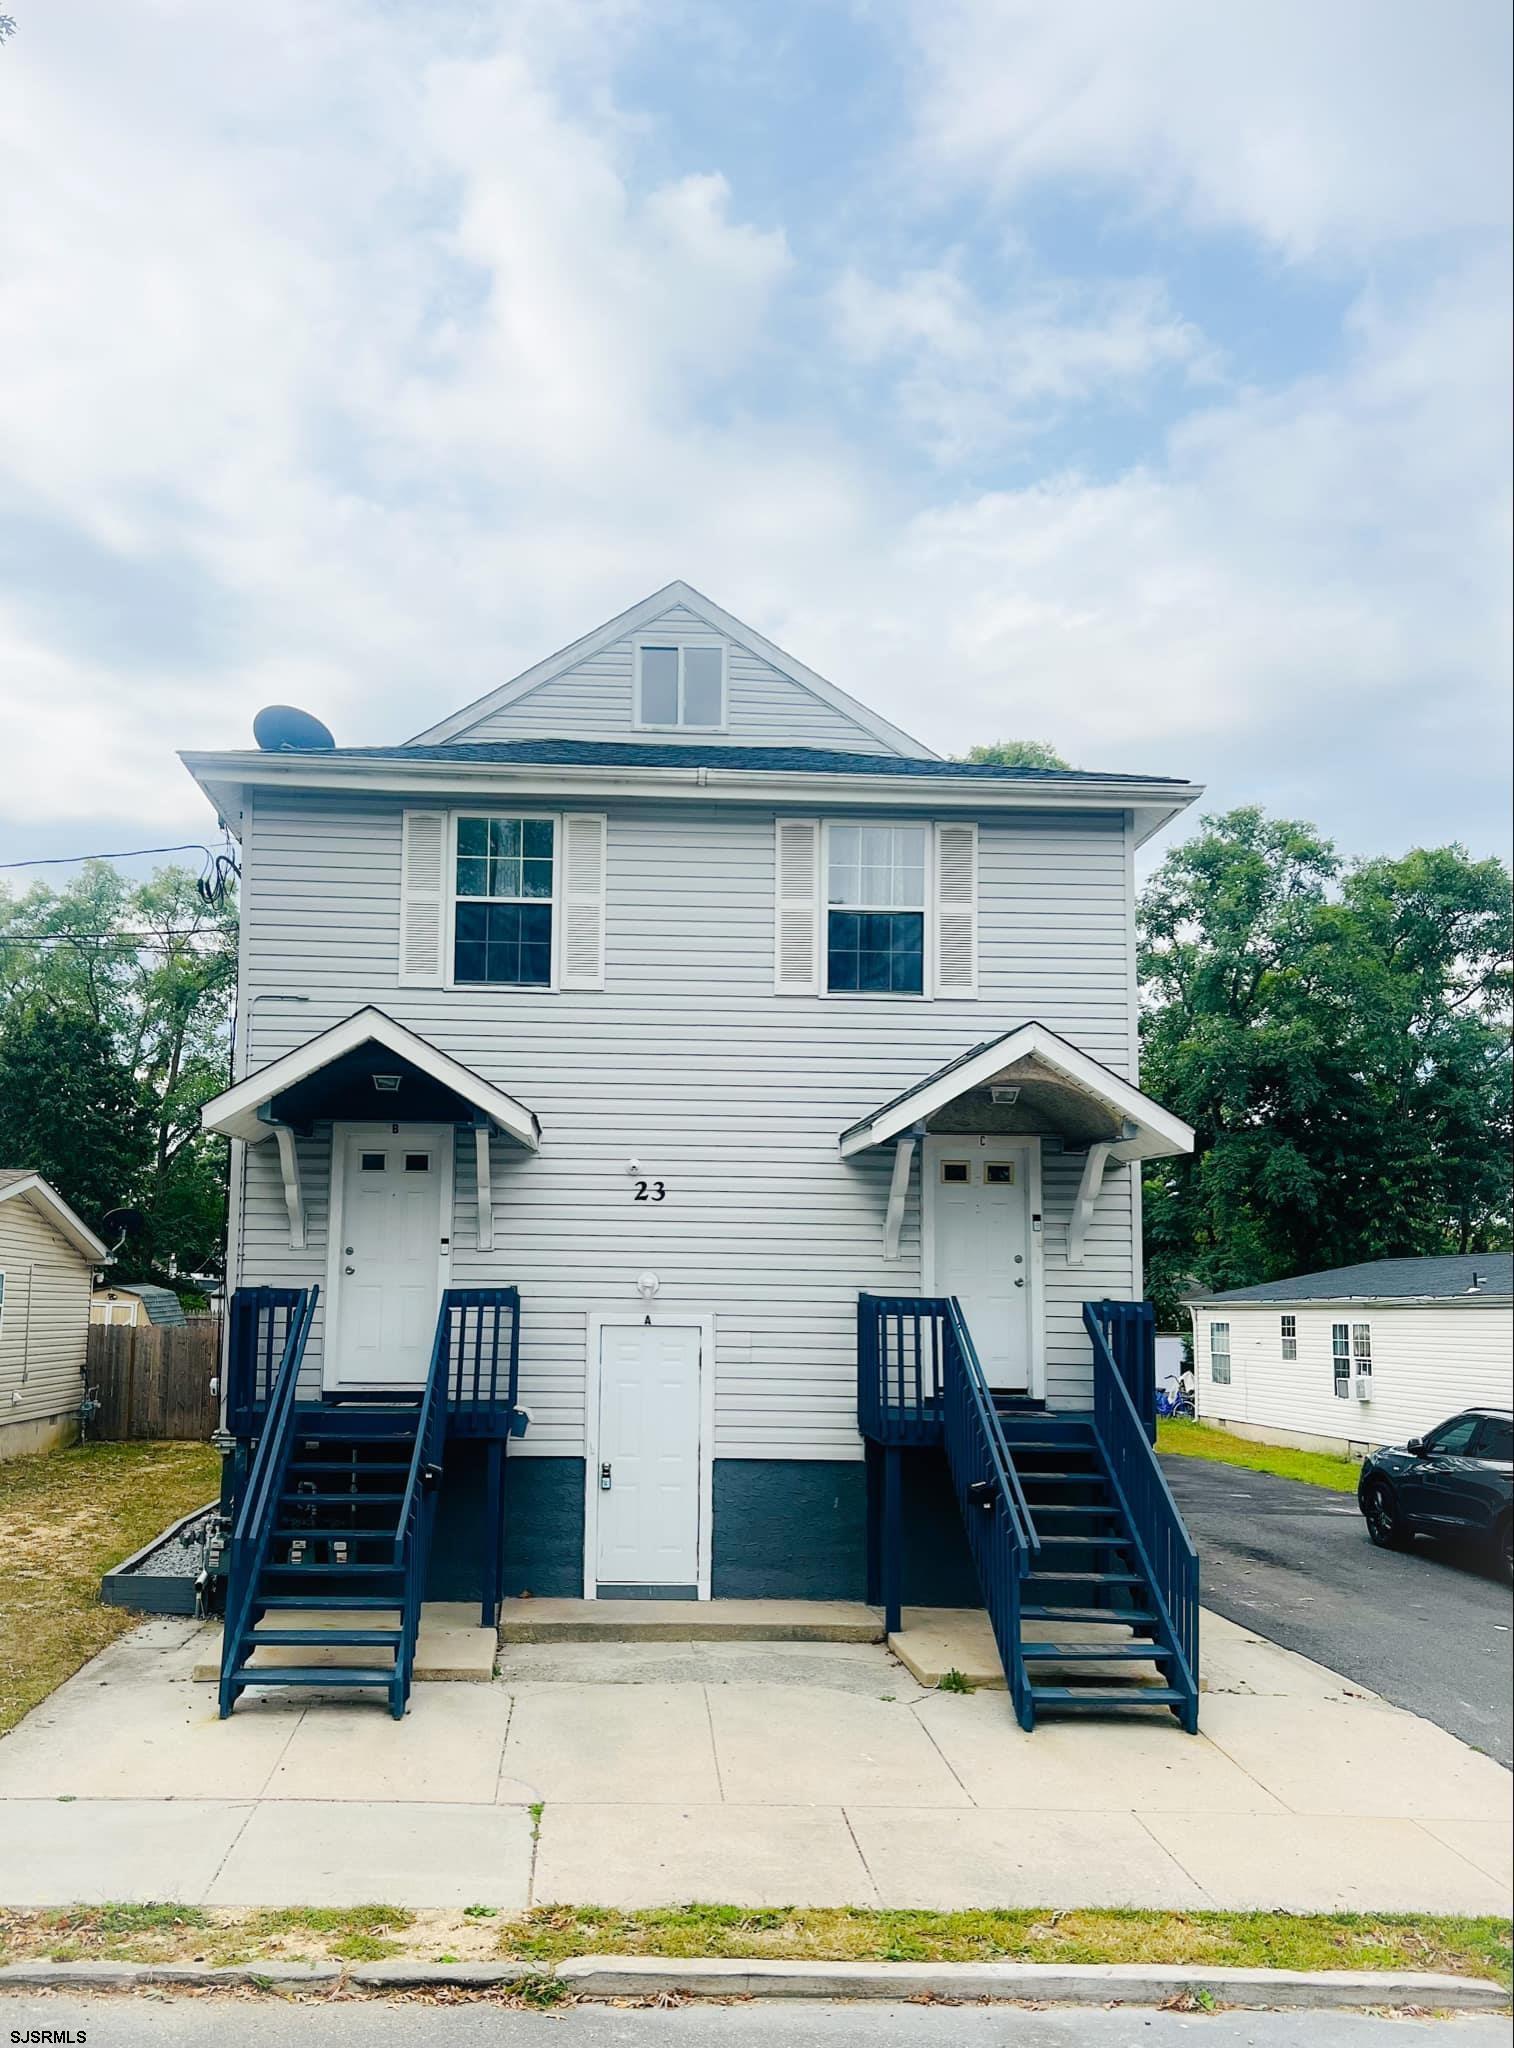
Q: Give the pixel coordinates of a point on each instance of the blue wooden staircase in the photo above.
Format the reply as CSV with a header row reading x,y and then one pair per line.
x,y
1089,1577
332,1531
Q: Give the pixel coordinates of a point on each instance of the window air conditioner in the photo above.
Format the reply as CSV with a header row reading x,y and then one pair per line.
x,y
1363,1386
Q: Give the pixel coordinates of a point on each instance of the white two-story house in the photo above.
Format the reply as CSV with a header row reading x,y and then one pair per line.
x,y
677,990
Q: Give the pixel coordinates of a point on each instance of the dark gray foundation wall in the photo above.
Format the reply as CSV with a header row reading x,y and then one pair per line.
x,y
785,1529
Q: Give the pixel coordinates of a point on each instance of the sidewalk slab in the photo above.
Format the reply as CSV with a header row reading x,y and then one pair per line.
x,y
781,1746
1331,1864
642,1856
59,1852
1487,1843
447,1750
450,1646
953,1862
598,1744
733,1621
147,1737
346,1853
1084,1765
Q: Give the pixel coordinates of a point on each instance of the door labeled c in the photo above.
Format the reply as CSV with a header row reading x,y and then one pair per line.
x,y
647,1462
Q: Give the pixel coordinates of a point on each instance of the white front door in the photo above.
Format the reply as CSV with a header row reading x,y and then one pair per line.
x,y
978,1203
647,1469
391,1213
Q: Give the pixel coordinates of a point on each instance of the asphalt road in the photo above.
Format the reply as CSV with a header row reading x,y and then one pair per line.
x,y
1428,1628
175,2022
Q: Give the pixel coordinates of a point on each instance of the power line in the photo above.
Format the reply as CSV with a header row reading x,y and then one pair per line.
x,y
144,942
63,860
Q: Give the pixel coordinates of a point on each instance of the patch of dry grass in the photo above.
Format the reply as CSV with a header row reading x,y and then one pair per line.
x,y
1343,1941
65,1518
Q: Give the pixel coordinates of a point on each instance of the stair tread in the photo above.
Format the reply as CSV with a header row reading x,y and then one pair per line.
x,y
1132,1617
290,1638
1089,1542
1096,1653
323,1569
1076,1507
329,1603
314,1674
316,1533
339,1500
1093,1696
1071,1578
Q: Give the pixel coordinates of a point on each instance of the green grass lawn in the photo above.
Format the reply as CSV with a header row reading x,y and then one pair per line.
x,y
65,1518
546,1934
1185,1439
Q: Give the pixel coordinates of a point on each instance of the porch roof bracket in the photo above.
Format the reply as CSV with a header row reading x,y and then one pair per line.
x,y
1086,1201
898,1194
289,1170
481,1160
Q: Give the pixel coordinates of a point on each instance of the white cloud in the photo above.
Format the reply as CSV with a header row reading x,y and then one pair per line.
x,y
1327,130
970,377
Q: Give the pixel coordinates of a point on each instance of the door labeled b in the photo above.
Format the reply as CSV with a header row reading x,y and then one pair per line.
x,y
648,1459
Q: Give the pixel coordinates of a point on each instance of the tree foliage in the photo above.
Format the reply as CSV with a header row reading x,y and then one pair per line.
x,y
1338,1036
1015,754
115,1012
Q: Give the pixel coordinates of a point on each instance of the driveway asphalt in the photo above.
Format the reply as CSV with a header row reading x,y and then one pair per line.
x,y
1428,1628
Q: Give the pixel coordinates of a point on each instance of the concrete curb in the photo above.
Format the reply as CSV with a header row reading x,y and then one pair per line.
x,y
718,1977
1049,1983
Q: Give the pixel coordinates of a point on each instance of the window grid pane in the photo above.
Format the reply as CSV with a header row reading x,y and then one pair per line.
x,y
1340,1358
1219,1353
876,953
1290,1336
505,943
877,867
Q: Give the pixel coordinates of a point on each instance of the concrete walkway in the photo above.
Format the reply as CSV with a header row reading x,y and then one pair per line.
x,y
778,1773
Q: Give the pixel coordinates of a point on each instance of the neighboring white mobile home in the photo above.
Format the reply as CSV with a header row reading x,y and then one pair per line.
x,y
1359,1356
46,1260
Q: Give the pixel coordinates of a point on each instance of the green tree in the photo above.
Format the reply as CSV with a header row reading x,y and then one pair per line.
x,y
1015,754
141,972
73,1112
1339,1039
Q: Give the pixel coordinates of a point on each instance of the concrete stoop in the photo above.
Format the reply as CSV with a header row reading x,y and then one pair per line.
x,y
689,1621
647,1977
450,1646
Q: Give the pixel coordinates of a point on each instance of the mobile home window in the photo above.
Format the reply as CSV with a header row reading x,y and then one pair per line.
x,y
502,917
1340,1358
875,909
1361,1348
1290,1336
681,686
1219,1353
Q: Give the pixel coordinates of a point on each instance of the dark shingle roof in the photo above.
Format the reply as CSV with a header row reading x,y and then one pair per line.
x,y
161,1303
1438,1279
772,760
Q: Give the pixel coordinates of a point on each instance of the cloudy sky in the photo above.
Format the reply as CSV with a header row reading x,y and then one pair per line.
x,y
1127,375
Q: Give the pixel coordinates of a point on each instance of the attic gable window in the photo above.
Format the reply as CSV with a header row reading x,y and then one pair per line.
x,y
681,687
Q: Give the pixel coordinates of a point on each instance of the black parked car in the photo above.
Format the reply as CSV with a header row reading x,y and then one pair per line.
x,y
1457,1481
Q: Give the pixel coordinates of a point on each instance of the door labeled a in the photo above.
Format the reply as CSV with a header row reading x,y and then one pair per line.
x,y
980,1216
647,1476
387,1258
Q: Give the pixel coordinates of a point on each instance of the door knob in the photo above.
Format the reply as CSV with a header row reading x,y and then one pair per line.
x,y
1018,1283
349,1269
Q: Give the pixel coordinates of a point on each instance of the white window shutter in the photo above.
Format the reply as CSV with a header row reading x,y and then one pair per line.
x,y
956,910
423,899
582,901
796,969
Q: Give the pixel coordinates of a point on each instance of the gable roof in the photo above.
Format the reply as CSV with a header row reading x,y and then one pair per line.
x,y
21,1183
642,614
1430,1279
163,1306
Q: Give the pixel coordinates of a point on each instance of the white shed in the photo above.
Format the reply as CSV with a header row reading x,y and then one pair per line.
x,y
46,1260
1358,1356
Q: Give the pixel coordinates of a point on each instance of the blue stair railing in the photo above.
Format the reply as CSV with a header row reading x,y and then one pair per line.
x,y
1000,1534
412,1535
1165,1549
258,1324
256,1515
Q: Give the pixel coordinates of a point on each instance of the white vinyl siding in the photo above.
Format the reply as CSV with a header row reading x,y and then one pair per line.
x,y
1428,1361
45,1322
597,700
689,1062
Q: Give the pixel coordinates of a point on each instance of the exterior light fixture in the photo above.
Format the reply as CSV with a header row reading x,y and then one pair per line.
x,y
388,1084
648,1286
1005,1094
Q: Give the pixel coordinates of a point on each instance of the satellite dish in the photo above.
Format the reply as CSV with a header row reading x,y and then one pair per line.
x,y
281,729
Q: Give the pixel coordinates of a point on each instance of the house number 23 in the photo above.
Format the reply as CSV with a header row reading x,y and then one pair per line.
x,y
650,1191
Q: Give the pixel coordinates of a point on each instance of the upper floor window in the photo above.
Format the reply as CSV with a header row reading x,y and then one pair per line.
x,y
875,909
502,914
1219,1353
1290,1336
681,687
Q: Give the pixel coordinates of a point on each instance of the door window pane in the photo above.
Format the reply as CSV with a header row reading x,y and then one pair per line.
x,y
956,1171
417,1162
373,1162
999,1173
1455,1438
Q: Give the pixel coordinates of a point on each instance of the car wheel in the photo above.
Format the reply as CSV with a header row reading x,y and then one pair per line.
x,y
1384,1523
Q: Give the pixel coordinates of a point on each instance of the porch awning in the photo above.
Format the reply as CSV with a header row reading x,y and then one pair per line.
x,y
1057,1089
367,1068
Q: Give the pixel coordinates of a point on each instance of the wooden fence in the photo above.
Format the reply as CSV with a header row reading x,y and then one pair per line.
x,y
154,1382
